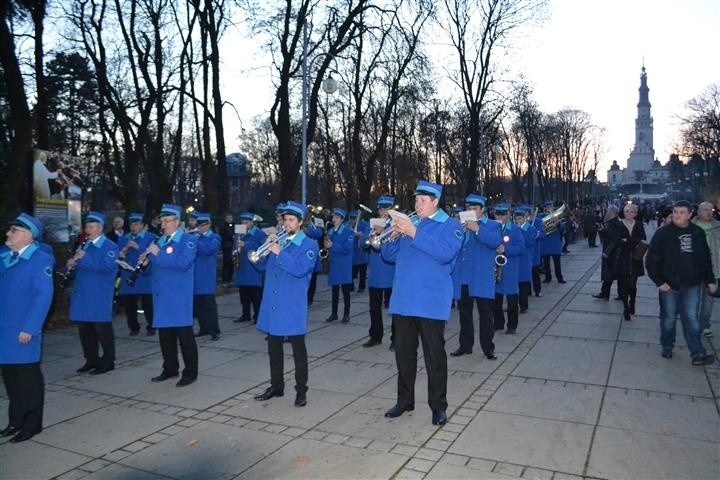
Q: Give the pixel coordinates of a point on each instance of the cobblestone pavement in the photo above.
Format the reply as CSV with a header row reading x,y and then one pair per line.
x,y
576,393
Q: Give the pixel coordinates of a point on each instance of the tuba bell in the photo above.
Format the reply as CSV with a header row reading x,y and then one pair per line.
x,y
551,221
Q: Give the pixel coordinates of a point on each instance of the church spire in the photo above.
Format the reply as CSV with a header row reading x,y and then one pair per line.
x,y
644,90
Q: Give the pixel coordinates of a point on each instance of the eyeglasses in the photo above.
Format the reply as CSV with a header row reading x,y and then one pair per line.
x,y
18,229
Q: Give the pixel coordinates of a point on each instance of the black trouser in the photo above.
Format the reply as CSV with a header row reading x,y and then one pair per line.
x,y
277,357
360,271
312,287
94,335
169,338
605,288
376,304
523,295
512,311
25,389
546,266
206,313
130,302
431,333
591,237
467,326
536,283
227,264
627,289
346,288
250,296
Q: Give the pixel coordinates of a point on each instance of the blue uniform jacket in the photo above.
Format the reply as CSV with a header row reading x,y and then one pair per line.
x,y
551,243
360,254
381,272
142,281
477,259
26,290
247,274
514,249
316,233
172,277
540,234
283,309
208,245
94,288
423,286
526,260
341,255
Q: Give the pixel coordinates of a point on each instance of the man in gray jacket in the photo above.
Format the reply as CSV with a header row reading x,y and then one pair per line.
x,y
711,227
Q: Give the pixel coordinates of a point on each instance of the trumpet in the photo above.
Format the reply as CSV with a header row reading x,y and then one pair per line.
x,y
500,261
359,217
389,235
140,265
323,253
67,273
264,250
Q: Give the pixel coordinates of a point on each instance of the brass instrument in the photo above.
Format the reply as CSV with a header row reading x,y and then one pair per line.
x,y
264,250
240,232
551,222
67,273
500,262
359,217
323,253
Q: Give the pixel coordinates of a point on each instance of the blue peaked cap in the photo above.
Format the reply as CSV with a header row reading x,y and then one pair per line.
x,y
98,217
202,217
475,199
170,210
428,188
248,215
385,201
30,223
339,212
135,217
296,208
502,207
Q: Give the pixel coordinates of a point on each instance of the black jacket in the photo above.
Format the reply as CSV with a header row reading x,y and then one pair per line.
x,y
679,257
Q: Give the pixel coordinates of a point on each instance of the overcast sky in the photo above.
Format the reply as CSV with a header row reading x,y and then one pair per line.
x,y
587,56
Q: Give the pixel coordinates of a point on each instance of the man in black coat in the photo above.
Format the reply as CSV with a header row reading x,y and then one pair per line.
x,y
612,222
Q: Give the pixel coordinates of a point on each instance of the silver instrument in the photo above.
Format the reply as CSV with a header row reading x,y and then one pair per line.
x,y
264,250
500,262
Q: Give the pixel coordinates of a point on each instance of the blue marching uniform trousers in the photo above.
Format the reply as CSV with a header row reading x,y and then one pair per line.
x,y
376,304
90,334
25,388
485,323
432,335
250,297
277,357
512,311
130,303
546,267
207,313
536,283
346,289
524,293
169,338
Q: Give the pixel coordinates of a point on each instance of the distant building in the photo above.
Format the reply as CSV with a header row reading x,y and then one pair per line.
x,y
239,174
644,177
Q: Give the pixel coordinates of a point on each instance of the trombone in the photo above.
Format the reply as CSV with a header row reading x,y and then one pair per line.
x,y
264,250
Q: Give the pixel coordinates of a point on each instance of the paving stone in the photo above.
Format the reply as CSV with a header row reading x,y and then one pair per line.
x,y
429,454
117,471
409,474
381,446
407,450
359,442
438,444
314,435
338,376
445,435
565,476
452,459
444,471
136,446
61,407
537,474
293,431
95,465
508,469
420,465
188,422
480,464
207,391
172,429
155,437
72,475
116,455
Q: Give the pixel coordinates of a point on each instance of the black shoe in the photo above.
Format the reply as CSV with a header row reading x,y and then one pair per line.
x,y
618,298
268,394
331,318
345,319
631,308
242,319
510,331
398,410
392,346
101,370
697,361
9,430
499,328
214,337
460,352
201,334
185,381
547,280
439,417
626,315
372,343
86,368
666,353
524,310
25,435
162,377
134,333
300,400
491,356
151,332
601,296
561,281
538,294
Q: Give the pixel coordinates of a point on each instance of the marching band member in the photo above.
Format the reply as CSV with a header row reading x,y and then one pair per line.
x,y
339,244
171,266
204,284
248,279
283,312
315,233
475,281
536,256
513,248
92,296
361,229
26,290
131,245
424,255
551,246
525,269
380,279
192,222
